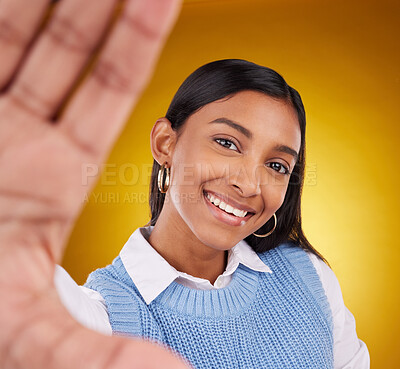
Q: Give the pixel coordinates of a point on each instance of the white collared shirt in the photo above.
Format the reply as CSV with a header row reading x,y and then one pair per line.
x,y
152,274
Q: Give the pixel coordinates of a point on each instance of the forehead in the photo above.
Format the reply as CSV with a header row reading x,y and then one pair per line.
x,y
268,119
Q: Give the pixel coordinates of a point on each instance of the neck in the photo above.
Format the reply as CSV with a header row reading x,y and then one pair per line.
x,y
176,243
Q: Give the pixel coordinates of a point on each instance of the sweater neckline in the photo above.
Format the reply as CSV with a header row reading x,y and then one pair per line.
x,y
226,301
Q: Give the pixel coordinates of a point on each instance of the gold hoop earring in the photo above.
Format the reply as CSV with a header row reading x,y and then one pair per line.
x,y
267,234
163,178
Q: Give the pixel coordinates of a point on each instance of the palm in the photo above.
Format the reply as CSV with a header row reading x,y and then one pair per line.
x,y
42,185
41,169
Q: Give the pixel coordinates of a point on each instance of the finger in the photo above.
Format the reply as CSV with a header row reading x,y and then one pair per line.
x,y
18,22
60,53
99,110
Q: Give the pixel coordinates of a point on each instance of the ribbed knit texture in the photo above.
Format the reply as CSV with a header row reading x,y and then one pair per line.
x,y
260,320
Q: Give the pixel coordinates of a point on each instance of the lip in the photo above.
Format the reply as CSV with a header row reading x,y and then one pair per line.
x,y
225,217
231,202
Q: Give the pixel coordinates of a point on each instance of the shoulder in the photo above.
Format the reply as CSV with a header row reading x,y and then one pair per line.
x,y
293,254
301,260
113,280
326,275
114,272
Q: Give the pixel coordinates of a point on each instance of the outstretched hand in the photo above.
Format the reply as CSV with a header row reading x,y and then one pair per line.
x,y
41,158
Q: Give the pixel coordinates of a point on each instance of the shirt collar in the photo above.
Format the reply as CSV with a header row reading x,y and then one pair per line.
x,y
152,274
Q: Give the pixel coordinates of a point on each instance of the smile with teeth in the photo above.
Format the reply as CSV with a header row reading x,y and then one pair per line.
x,y
227,208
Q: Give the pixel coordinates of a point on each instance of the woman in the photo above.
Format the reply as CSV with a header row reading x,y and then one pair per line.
x,y
41,191
224,274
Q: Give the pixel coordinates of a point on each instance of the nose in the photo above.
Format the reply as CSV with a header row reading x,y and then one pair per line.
x,y
246,180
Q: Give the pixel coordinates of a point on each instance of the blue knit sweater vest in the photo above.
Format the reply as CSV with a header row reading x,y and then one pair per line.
x,y
260,320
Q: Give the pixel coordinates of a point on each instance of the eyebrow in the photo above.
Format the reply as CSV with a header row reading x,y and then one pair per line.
x,y
287,150
234,125
248,134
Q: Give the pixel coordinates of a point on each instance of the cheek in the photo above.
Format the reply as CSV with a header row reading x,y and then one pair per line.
x,y
185,191
195,165
189,179
274,195
185,162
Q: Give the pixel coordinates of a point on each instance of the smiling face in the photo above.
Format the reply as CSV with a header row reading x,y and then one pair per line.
x,y
230,167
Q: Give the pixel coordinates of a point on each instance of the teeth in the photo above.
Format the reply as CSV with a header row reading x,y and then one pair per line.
x,y
222,205
228,208
238,212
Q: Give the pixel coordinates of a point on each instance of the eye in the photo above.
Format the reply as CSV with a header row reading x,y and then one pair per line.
x,y
226,143
278,167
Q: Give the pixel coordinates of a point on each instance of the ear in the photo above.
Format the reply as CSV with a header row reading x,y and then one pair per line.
x,y
162,141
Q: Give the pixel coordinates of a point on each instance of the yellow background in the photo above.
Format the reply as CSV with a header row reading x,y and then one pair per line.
x,y
343,57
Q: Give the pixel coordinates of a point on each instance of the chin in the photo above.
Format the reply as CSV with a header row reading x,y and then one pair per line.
x,y
218,239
